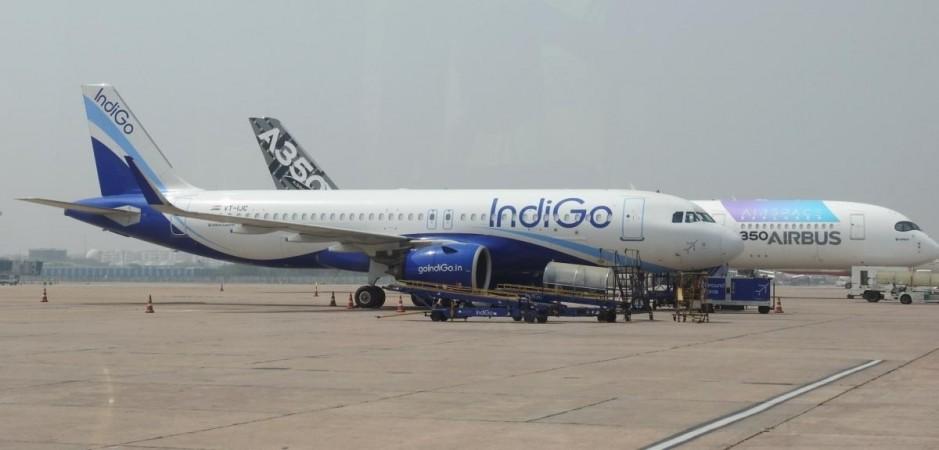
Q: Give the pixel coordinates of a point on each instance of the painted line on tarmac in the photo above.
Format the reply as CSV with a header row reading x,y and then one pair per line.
x,y
706,428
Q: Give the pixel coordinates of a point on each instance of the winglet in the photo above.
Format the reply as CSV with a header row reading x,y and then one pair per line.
x,y
151,193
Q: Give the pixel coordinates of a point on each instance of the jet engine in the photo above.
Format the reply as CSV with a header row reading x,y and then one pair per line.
x,y
466,264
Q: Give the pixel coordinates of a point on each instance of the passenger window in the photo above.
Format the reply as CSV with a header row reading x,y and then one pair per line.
x,y
400,216
447,216
463,217
410,216
473,217
381,216
420,217
303,217
332,216
482,217
677,217
371,216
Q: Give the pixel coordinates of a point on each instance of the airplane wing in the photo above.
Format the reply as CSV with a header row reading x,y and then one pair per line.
x,y
124,217
365,241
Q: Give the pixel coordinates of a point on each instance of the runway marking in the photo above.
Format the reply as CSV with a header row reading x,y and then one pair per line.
x,y
694,433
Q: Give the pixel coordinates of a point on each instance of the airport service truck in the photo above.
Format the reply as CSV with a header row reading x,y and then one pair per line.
x,y
894,283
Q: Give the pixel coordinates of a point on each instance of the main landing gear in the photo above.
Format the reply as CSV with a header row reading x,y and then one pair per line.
x,y
369,297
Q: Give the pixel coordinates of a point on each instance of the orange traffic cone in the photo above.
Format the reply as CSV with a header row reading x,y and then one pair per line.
x,y
45,298
350,305
149,309
400,305
332,299
779,309
316,290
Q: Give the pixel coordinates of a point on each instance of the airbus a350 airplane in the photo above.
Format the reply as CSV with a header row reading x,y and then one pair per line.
x,y
470,237
788,235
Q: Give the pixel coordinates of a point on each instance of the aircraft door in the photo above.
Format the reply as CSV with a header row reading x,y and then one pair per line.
x,y
633,209
857,226
447,219
432,219
178,224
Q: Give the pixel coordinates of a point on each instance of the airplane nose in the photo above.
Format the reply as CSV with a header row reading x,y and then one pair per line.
x,y
932,248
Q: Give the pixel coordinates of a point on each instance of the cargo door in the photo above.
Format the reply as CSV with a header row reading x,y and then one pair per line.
x,y
857,226
633,209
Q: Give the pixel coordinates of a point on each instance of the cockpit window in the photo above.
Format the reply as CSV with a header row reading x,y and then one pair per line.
x,y
705,217
905,225
676,218
691,216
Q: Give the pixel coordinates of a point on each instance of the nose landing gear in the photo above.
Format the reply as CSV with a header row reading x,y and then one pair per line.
x,y
369,297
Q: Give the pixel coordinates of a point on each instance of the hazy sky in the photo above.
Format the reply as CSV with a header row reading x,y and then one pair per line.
x,y
791,99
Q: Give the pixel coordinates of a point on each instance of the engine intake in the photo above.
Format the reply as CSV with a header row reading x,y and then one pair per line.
x,y
454,263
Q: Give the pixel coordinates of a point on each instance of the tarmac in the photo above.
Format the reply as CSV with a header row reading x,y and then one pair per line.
x,y
273,367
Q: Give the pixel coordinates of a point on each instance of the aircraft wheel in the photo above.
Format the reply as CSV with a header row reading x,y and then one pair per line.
x,y
369,297
542,318
906,299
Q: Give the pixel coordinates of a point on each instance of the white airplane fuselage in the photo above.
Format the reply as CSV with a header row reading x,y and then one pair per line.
x,y
583,225
820,235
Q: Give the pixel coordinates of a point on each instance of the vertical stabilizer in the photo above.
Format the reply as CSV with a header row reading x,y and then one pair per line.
x,y
115,133
290,166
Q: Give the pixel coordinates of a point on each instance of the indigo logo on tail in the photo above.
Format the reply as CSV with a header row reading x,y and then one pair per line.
x,y
118,113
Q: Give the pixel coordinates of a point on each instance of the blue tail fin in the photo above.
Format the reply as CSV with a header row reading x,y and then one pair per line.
x,y
114,176
116,132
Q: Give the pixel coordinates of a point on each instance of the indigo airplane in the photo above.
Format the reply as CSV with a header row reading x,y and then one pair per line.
x,y
475,238
797,236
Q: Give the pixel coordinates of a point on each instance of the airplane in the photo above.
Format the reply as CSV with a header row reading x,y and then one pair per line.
x,y
474,238
795,236
821,236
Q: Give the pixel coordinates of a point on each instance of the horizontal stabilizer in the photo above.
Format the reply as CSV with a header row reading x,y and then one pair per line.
x,y
125,216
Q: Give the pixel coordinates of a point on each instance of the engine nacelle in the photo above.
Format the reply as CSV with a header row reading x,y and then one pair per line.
x,y
466,264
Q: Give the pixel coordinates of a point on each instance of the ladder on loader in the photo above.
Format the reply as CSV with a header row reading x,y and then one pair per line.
x,y
629,287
